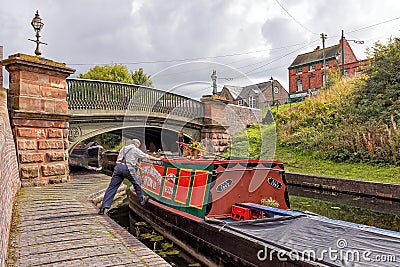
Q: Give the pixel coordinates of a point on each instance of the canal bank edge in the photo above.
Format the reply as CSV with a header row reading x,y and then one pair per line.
x,y
345,185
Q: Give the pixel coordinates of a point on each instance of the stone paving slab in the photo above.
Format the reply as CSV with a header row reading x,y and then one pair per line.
x,y
57,225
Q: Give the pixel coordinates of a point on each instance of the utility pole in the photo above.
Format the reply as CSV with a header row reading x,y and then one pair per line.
x,y
342,53
324,36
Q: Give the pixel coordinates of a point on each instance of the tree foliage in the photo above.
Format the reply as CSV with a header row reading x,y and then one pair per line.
x,y
139,77
379,98
117,73
114,73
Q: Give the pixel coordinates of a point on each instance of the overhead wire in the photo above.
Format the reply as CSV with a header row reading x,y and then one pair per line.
x,y
230,63
278,58
295,20
184,59
373,25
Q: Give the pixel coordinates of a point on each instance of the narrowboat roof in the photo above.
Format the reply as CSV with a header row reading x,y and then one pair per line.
x,y
301,234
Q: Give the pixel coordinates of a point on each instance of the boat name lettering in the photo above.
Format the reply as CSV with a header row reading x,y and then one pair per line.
x,y
168,190
149,182
223,186
153,173
274,183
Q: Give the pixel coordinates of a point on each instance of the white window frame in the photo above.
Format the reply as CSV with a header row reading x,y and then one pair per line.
x,y
252,101
312,67
240,102
299,85
299,70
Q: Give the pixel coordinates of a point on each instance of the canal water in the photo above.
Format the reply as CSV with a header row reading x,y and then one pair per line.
x,y
377,212
165,248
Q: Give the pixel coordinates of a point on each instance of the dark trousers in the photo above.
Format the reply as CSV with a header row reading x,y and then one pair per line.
x,y
121,171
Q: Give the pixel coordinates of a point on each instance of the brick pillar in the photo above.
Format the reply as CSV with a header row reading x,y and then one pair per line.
x,y
215,123
39,114
223,120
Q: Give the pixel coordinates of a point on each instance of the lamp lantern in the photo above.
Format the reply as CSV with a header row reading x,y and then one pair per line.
x,y
37,25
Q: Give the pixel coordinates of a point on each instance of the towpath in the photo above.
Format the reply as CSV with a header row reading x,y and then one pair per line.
x,y
57,225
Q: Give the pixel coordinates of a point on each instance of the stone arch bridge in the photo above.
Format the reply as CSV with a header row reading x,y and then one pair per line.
x,y
97,107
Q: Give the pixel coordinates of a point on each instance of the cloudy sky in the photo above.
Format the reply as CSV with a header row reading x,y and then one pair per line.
x,y
179,43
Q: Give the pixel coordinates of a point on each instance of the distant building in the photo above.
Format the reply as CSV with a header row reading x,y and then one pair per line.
x,y
306,74
256,95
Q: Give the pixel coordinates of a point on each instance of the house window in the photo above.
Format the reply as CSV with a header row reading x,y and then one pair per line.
x,y
325,78
252,101
240,102
299,85
312,67
357,72
299,70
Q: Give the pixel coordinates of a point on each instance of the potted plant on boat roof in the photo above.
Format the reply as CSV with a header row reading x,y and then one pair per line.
x,y
195,147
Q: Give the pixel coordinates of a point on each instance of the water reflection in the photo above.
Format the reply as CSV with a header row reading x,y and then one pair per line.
x,y
375,212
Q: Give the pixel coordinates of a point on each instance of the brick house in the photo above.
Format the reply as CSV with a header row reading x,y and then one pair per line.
x,y
256,95
306,74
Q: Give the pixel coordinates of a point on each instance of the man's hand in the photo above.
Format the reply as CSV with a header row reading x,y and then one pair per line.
x,y
155,158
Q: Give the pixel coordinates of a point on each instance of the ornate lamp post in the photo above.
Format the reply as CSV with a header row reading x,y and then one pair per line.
x,y
214,80
37,25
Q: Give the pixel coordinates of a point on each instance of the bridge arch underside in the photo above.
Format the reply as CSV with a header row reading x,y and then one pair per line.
x,y
161,133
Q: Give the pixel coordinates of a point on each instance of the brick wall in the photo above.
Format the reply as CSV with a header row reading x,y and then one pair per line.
x,y
9,179
223,120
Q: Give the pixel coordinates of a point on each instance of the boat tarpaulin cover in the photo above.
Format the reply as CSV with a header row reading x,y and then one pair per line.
x,y
323,240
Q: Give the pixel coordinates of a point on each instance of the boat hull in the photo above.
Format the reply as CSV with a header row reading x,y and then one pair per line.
x,y
205,241
209,188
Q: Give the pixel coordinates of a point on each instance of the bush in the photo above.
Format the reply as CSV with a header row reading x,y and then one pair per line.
x,y
257,141
351,119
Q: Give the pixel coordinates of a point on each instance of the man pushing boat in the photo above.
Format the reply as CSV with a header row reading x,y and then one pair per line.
x,y
127,165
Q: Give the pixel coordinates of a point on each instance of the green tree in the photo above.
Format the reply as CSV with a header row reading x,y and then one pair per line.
x,y
115,73
379,99
139,77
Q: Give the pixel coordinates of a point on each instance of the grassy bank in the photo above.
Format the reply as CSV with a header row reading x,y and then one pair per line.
x,y
306,163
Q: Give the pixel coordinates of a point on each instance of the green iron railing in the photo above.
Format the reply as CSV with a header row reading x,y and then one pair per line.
x,y
83,94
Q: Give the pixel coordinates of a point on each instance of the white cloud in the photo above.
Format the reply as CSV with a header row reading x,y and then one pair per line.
x,y
121,31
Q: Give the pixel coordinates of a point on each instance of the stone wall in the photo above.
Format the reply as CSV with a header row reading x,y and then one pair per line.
x,y
374,189
39,112
9,179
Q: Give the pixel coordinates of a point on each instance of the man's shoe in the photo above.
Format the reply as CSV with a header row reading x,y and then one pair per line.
x,y
102,211
144,200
